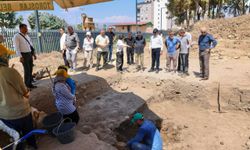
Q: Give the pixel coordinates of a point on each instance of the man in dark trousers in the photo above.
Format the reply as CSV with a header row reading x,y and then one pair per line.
x,y
130,41
206,43
156,49
111,36
25,50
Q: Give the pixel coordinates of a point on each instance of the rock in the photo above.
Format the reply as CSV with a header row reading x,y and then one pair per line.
x,y
236,57
158,84
248,55
185,126
86,129
124,88
221,143
121,144
248,143
144,86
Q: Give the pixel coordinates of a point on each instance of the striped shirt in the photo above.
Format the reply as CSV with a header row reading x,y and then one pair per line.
x,y
64,98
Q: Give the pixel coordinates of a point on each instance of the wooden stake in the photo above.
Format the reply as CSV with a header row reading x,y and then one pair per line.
x,y
49,75
218,98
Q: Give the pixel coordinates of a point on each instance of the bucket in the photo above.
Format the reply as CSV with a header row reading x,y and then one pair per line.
x,y
51,121
65,132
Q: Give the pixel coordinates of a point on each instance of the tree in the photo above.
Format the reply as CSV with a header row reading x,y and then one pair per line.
x,y
47,21
9,19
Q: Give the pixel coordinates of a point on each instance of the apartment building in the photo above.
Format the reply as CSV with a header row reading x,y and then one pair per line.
x,y
154,11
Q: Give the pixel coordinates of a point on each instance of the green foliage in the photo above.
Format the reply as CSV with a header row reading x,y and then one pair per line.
x,y
47,21
184,9
79,26
9,20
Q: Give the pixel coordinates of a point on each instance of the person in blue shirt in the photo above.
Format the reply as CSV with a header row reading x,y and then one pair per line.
x,y
172,44
206,43
69,80
147,137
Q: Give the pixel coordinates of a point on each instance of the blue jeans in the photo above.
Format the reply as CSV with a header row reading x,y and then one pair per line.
x,y
139,146
110,52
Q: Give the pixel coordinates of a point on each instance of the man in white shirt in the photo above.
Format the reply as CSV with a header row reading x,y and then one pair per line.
x,y
102,43
24,50
156,47
88,46
62,46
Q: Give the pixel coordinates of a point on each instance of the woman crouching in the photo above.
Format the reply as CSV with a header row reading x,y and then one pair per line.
x,y
65,100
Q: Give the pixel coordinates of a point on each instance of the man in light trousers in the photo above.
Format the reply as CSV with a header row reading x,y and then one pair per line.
x,y
72,45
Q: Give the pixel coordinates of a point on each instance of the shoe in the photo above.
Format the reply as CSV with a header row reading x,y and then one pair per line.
x,y
32,87
157,71
151,70
204,79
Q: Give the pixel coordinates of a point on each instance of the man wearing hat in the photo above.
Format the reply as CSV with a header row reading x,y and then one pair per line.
x,y
156,47
88,47
14,105
148,136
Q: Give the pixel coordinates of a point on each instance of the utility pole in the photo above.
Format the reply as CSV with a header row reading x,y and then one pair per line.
x,y
136,13
40,49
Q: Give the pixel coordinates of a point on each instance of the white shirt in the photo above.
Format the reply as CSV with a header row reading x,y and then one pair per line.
x,y
184,44
120,45
62,41
21,45
189,36
156,42
88,44
102,40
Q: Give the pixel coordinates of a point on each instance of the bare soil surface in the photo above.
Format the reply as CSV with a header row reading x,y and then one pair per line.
x,y
183,108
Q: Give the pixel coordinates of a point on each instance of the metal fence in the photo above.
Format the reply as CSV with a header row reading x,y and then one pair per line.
x,y
50,39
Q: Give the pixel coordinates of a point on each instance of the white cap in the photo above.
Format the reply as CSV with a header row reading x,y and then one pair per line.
x,y
88,33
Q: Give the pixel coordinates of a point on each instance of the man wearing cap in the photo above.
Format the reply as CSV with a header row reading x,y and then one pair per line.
x,y
148,136
111,36
102,42
72,45
14,104
24,50
206,43
88,46
156,47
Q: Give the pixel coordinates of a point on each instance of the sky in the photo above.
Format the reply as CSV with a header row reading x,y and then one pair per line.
x,y
108,12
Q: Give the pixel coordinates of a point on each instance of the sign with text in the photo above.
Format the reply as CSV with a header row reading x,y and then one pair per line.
x,y
6,6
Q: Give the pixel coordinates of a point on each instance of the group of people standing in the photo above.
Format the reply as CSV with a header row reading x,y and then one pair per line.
x,y
103,43
178,48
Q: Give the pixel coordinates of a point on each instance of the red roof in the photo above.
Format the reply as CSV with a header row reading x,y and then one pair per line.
x,y
130,23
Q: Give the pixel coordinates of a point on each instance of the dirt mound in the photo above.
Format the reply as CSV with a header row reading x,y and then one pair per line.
x,y
82,141
234,28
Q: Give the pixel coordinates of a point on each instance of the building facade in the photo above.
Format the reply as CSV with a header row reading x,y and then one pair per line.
x,y
145,11
154,11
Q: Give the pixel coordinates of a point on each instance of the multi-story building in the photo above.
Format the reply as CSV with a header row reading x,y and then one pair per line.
x,y
145,11
154,11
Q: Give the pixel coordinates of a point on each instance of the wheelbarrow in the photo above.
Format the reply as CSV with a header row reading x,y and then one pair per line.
x,y
33,132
